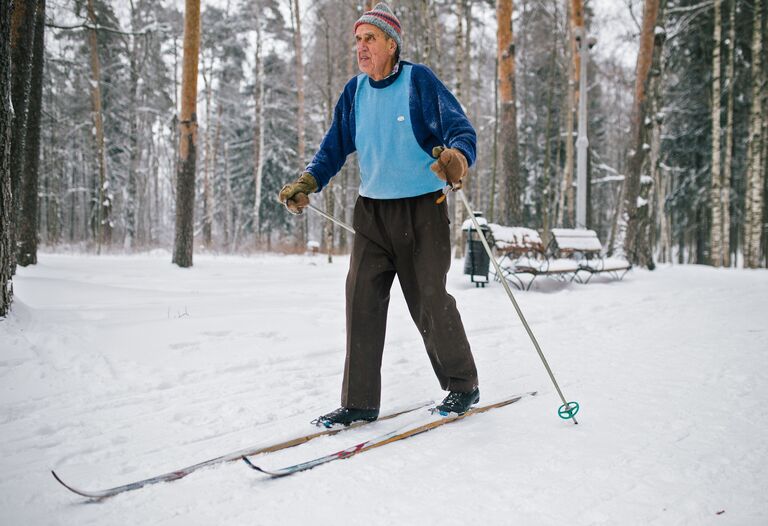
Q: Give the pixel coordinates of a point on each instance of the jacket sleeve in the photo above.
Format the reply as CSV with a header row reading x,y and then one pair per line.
x,y
437,117
339,141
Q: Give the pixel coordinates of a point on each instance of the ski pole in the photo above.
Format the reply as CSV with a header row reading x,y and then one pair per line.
x,y
568,409
329,217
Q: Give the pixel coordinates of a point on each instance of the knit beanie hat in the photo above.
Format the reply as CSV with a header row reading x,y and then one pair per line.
x,y
382,17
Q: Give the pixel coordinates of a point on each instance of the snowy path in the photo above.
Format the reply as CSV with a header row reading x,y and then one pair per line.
x,y
115,368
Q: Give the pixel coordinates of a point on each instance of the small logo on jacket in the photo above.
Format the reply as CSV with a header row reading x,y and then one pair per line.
x,y
400,118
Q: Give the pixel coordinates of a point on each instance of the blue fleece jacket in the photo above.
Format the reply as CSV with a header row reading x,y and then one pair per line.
x,y
393,124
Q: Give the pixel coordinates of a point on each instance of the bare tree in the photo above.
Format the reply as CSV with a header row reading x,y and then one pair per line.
x,y
510,168
104,205
463,14
21,42
756,175
546,179
639,141
26,253
132,197
6,205
208,166
185,179
575,10
725,190
301,135
258,139
716,231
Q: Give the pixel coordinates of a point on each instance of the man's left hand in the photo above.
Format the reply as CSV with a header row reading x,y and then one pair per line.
x,y
450,166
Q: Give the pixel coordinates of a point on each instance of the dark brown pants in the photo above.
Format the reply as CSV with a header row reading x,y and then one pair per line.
x,y
409,238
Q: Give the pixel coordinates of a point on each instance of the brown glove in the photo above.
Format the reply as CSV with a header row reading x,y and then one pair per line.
x,y
450,166
295,195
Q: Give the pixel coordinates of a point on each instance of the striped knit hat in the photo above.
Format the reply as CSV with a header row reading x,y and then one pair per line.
x,y
382,17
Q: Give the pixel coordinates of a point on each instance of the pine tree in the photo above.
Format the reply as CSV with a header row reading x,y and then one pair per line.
x,y
185,186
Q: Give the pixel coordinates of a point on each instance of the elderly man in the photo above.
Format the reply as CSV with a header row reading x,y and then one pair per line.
x,y
395,115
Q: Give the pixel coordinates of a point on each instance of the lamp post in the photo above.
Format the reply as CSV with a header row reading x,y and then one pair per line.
x,y
582,141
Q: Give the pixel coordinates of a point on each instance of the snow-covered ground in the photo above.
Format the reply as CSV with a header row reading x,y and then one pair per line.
x,y
114,368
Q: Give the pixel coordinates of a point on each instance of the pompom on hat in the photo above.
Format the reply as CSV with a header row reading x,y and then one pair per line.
x,y
382,17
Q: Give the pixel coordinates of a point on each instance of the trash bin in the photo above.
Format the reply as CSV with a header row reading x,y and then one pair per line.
x,y
476,260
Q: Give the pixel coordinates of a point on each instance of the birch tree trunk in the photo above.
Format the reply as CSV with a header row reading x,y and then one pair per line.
x,y
258,139
632,244
716,231
104,205
755,183
725,190
185,178
510,180
6,199
26,253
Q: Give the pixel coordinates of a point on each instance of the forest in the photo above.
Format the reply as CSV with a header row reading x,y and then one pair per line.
x,y
143,125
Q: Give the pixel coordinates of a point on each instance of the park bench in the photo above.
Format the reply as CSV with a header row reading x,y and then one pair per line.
x,y
523,253
584,247
568,253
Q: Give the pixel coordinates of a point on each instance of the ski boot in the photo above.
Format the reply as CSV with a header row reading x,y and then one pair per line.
x,y
458,403
346,416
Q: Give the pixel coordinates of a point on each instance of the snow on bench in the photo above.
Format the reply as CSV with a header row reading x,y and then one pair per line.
x,y
516,239
569,241
569,252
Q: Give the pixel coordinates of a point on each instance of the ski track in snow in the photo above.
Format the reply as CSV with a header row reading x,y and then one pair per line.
x,y
115,368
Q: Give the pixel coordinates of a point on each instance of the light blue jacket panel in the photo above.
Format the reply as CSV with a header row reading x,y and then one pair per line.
x,y
392,163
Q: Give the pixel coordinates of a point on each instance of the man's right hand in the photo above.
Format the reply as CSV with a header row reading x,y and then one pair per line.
x,y
295,195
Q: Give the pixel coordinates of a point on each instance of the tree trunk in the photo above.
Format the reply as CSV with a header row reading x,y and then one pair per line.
x,y
330,202
427,35
566,210
716,233
632,244
301,139
6,198
134,138
207,189
754,191
509,148
26,253
21,42
462,66
545,183
725,190
185,179
495,147
258,139
104,205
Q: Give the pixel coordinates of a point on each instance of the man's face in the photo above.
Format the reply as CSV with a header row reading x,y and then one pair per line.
x,y
375,52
